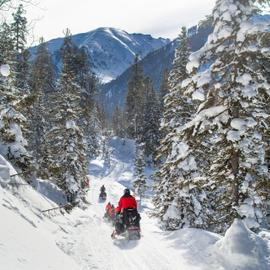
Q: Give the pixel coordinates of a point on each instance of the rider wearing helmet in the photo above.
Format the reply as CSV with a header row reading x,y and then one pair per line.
x,y
126,201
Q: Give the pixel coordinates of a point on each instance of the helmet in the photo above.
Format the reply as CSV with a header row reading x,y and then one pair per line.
x,y
126,191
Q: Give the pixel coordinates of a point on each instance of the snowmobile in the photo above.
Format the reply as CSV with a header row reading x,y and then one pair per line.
x,y
132,224
128,225
102,196
109,216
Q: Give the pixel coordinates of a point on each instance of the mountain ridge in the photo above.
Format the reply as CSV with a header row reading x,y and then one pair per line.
x,y
111,51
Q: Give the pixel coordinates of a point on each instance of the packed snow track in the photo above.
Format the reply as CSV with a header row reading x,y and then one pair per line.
x,y
93,247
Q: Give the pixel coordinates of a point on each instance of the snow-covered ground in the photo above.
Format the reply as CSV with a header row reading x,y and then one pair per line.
x,y
27,237
31,240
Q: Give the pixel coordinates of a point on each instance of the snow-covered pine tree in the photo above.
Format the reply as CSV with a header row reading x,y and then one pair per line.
x,y
13,144
92,133
174,100
232,123
102,117
164,88
150,135
66,152
135,101
42,83
140,185
107,157
118,122
106,153
19,33
178,199
6,44
89,117
21,67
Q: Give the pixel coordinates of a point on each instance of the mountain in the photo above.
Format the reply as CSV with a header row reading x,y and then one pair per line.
x,y
154,65
111,51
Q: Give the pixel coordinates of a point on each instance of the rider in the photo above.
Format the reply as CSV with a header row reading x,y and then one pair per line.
x,y
102,189
108,208
127,201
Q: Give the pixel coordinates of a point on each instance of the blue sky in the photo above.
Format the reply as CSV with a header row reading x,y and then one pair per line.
x,y
156,17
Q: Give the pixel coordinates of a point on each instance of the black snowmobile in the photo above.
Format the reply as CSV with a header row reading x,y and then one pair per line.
x,y
128,225
102,196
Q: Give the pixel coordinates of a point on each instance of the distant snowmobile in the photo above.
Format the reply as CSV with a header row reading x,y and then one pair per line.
x,y
102,196
109,215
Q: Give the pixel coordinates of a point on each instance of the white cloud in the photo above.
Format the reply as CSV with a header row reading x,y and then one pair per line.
x,y
160,18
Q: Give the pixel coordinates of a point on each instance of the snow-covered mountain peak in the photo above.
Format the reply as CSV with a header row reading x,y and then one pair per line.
x,y
111,51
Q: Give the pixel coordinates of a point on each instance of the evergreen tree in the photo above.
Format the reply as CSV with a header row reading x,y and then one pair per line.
x,y
13,145
94,133
19,29
106,153
178,108
174,207
118,122
89,118
230,125
13,125
102,118
164,87
67,150
151,124
42,83
139,184
6,44
21,65
135,101
236,100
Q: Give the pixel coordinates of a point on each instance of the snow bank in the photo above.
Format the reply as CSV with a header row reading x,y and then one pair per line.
x,y
26,235
26,246
241,249
51,191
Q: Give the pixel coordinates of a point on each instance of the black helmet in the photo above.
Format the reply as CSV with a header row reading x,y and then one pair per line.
x,y
126,191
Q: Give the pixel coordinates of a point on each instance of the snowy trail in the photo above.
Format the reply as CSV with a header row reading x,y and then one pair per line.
x,y
89,243
94,249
